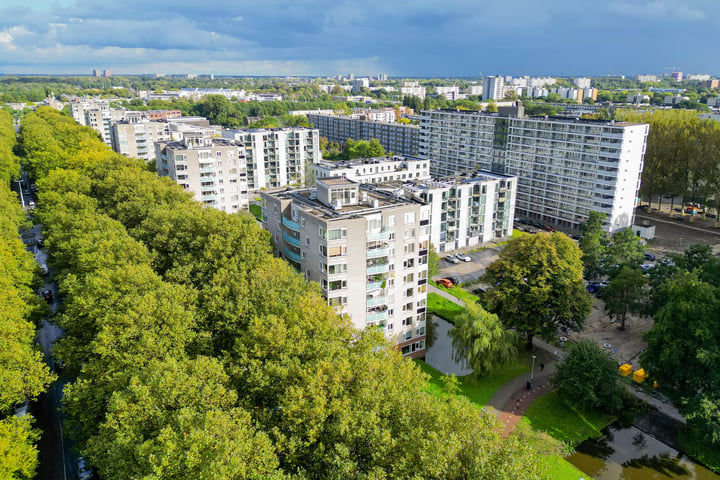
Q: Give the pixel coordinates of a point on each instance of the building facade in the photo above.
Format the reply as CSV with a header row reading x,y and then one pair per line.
x,y
398,138
137,140
368,250
376,170
277,157
467,210
493,88
212,168
565,168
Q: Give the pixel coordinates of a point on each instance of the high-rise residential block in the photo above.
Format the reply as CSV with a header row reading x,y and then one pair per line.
x,y
398,138
565,168
212,168
277,157
137,139
493,88
367,249
467,210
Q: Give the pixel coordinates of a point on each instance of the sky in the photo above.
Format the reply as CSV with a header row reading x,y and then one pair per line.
x,y
427,38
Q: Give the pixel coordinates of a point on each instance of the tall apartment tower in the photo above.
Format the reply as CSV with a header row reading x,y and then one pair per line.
x,y
212,168
565,168
367,249
493,88
277,157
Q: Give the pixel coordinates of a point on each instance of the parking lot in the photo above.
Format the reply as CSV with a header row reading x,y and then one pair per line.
x,y
469,272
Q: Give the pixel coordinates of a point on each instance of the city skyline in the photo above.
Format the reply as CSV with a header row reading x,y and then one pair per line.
x,y
455,38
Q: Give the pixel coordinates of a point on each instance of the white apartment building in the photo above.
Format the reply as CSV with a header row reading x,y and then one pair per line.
x,y
359,83
467,210
367,249
475,90
565,168
646,78
583,82
277,157
493,88
450,93
376,170
413,89
213,169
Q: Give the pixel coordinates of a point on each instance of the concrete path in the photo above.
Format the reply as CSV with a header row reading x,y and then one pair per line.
x,y
439,356
665,407
444,294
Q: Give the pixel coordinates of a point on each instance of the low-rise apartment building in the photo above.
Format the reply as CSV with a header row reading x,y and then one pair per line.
x,y
376,170
398,138
212,168
137,139
367,249
565,168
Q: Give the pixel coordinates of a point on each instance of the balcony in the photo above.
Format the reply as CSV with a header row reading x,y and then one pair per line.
x,y
376,316
375,269
375,236
290,224
294,241
374,285
292,255
378,252
375,301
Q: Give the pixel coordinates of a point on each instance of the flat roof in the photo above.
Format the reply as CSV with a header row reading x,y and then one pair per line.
x,y
336,181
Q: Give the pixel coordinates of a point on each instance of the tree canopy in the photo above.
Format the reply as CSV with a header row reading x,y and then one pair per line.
x,y
537,285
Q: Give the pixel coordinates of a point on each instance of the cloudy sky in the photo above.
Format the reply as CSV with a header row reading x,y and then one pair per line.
x,y
329,37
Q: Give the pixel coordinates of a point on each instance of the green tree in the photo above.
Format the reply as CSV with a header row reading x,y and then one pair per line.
x,y
18,456
593,244
588,378
538,285
481,342
491,107
626,293
623,249
363,148
433,262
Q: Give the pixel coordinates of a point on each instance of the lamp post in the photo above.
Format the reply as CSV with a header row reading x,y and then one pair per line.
x,y
532,371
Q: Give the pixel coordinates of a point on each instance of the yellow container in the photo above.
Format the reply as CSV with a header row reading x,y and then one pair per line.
x,y
655,384
625,370
639,376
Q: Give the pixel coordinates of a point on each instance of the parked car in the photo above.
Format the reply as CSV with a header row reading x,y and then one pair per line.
x,y
645,208
455,281
48,296
444,282
452,259
650,257
549,228
31,204
33,188
44,269
525,221
463,257
647,267
22,409
84,470
479,291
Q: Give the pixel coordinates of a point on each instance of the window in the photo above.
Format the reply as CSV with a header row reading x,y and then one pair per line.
x,y
337,233
338,285
409,234
408,278
408,307
407,335
307,241
337,268
391,221
409,292
409,248
304,254
337,301
339,251
323,233
323,267
407,321
409,218
323,250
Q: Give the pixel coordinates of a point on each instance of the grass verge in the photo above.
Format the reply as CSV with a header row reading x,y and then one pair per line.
x,y
570,425
458,292
692,444
478,390
442,307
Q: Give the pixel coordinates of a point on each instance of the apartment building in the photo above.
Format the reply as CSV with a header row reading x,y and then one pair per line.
x,y
397,138
367,249
376,170
276,157
213,169
467,210
413,89
493,88
137,139
565,168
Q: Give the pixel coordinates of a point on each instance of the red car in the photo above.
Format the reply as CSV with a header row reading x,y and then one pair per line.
x,y
445,282
549,228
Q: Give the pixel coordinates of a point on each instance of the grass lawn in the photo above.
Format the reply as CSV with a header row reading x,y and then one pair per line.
x,y
256,210
478,390
692,444
443,307
561,469
551,414
458,293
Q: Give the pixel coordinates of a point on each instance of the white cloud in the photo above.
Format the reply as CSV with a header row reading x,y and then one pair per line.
x,y
6,41
658,9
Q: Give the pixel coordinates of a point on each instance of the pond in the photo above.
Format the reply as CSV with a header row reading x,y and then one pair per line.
x,y
628,453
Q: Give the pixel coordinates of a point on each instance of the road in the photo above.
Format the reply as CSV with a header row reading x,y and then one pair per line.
x,y
52,453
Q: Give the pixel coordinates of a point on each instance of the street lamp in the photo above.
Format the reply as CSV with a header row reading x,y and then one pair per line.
x,y
532,372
